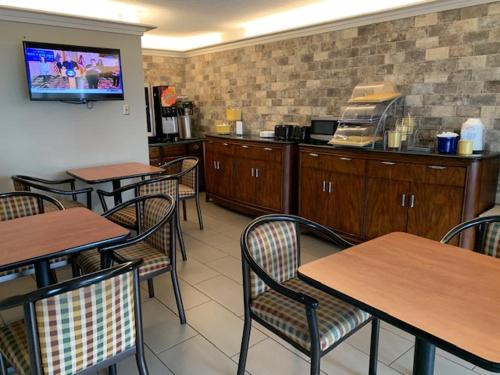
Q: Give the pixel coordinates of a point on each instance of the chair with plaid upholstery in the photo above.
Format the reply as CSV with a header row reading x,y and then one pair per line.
x,y
312,321
77,327
188,170
487,235
128,216
154,244
28,183
18,204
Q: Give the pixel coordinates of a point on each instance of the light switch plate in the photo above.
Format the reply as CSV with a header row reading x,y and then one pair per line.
x,y
126,109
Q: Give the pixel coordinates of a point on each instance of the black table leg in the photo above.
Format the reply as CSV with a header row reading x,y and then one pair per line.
x,y
43,274
423,361
118,197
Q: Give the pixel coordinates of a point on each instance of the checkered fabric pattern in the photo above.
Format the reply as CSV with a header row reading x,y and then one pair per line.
x,y
160,187
14,207
154,211
274,247
186,191
14,347
67,203
189,179
19,186
84,327
336,318
153,260
126,216
492,240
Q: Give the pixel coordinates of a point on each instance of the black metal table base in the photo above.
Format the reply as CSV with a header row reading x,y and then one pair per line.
x,y
118,197
43,273
423,360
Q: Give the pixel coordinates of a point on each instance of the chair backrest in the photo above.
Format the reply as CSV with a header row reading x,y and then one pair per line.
x,y
18,204
163,185
19,184
487,234
85,321
270,246
190,178
155,211
274,246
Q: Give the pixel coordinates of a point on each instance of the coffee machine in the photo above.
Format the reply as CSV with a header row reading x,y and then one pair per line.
x,y
165,113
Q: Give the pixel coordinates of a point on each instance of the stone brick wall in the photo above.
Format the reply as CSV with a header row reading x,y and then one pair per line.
x,y
168,71
447,65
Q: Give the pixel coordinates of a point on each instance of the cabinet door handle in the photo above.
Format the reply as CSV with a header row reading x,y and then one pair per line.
x,y
412,201
403,200
324,186
346,159
253,172
218,165
313,155
257,172
225,144
388,163
329,186
215,164
268,148
438,167
244,146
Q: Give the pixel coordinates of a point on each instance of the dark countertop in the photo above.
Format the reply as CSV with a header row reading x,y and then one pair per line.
x,y
255,138
179,142
484,155
252,138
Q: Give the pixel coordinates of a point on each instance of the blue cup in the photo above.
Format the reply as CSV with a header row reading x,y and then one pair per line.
x,y
447,145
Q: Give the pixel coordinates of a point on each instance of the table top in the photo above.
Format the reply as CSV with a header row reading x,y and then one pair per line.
x,y
53,234
104,173
447,295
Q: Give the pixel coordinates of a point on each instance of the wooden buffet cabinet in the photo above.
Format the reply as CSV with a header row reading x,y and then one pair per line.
x,y
364,194
251,175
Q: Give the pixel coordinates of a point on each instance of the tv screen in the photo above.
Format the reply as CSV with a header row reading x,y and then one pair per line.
x,y
72,73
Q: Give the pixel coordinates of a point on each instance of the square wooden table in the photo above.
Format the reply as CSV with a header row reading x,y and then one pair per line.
x,y
114,173
444,295
37,239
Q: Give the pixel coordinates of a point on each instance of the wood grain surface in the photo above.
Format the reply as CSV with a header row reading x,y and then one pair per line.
x,y
45,235
113,172
445,291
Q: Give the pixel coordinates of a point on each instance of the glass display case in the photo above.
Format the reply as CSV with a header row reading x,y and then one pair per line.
x,y
363,122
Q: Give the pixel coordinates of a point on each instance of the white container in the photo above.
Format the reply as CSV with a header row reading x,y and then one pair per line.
x,y
474,130
239,127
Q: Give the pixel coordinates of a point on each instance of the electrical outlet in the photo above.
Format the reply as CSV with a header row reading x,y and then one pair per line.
x,y
126,109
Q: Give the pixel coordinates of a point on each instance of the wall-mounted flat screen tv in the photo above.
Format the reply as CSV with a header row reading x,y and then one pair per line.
x,y
72,73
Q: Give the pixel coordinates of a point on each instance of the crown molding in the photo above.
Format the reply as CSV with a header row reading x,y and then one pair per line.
x,y
383,16
162,52
12,14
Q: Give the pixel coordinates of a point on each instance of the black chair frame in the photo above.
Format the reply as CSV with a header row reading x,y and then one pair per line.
x,y
40,184
135,187
310,304
196,195
29,300
108,255
479,223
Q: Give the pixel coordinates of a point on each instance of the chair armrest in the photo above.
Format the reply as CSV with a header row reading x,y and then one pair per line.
x,y
180,160
103,193
37,186
13,301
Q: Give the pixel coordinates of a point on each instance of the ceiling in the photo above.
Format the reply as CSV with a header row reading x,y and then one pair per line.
x,y
184,25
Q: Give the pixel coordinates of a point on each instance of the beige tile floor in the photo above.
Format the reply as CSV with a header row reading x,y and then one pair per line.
x,y
211,288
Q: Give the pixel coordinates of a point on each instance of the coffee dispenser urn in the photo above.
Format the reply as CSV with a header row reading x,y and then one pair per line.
x,y
170,126
185,110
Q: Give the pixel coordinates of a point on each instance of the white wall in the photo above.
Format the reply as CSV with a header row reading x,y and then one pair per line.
x,y
45,139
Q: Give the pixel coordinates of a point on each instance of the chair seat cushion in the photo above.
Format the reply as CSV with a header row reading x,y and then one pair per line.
x,y
67,203
153,260
29,269
336,318
125,217
14,347
185,191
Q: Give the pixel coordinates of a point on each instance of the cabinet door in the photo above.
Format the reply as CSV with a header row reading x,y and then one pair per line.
x,y
225,177
314,198
347,199
211,172
268,184
436,209
387,210
244,180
